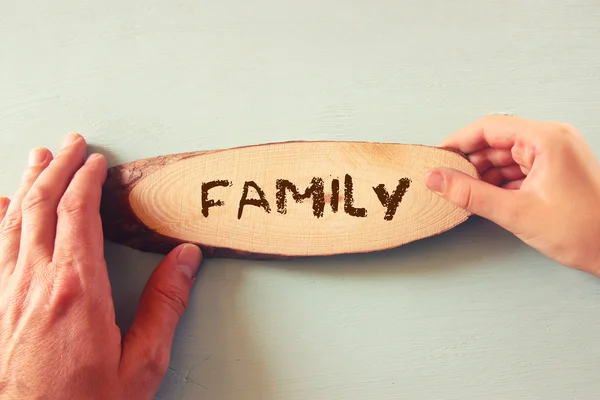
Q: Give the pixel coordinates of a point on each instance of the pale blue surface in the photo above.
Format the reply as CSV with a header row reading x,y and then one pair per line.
x,y
471,314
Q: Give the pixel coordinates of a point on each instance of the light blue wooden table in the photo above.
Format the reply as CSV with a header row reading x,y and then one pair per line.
x,y
470,314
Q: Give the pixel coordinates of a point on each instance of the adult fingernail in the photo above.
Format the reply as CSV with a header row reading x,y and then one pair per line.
x,y
37,157
93,157
435,181
188,260
70,139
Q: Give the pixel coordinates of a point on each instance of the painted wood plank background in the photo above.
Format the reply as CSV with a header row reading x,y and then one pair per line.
x,y
472,314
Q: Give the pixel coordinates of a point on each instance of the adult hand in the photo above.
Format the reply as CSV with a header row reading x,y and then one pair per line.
x,y
58,338
539,180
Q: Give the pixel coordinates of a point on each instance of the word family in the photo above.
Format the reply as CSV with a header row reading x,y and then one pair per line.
x,y
316,191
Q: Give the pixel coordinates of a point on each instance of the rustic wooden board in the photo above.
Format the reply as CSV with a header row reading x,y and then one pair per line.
x,y
289,199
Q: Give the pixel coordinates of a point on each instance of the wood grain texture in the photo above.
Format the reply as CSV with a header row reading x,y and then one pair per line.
x,y
276,200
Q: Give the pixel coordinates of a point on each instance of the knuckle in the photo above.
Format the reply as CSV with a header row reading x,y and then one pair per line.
x,y
10,224
35,198
66,289
523,152
556,131
564,128
152,356
172,297
552,138
157,361
68,281
72,203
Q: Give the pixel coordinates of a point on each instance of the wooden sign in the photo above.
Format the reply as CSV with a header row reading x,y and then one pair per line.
x,y
288,199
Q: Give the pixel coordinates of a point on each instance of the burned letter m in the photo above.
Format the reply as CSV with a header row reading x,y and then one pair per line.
x,y
315,190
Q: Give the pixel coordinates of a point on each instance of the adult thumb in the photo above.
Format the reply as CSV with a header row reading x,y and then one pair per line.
x,y
474,195
147,344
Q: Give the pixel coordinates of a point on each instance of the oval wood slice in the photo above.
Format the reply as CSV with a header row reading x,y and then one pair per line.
x,y
289,199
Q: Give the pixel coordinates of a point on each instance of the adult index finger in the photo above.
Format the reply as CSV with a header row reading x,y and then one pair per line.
x,y
79,239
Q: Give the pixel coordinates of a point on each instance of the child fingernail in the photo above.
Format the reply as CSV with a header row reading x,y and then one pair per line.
x,y
435,181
